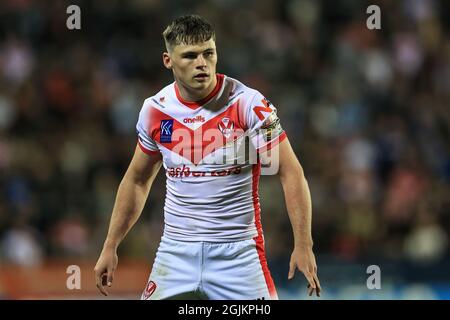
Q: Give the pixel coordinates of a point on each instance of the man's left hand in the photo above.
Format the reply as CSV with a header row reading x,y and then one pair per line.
x,y
303,259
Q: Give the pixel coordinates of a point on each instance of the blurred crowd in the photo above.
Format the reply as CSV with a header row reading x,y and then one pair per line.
x,y
367,112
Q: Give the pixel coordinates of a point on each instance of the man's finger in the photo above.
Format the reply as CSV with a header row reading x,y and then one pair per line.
x,y
291,271
316,279
99,283
110,277
318,287
310,291
97,278
310,279
102,289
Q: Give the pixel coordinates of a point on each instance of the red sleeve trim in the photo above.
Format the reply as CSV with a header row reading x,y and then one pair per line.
x,y
147,151
273,143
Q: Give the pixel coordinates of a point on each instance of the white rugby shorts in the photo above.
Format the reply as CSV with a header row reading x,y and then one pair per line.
x,y
208,270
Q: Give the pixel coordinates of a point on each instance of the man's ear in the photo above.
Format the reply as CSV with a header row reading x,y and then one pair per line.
x,y
167,61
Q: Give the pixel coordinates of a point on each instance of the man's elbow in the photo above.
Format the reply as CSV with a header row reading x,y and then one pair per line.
x,y
292,171
132,179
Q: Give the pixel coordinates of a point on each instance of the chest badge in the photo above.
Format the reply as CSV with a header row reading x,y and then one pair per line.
x,y
226,126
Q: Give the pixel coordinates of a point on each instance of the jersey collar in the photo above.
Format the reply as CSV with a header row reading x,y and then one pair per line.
x,y
196,104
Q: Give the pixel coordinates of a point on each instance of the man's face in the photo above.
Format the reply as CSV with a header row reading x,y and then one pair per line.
x,y
194,66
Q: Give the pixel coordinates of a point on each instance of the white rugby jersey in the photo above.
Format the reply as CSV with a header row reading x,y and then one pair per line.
x,y
209,150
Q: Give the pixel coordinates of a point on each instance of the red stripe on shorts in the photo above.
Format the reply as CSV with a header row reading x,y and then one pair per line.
x,y
259,240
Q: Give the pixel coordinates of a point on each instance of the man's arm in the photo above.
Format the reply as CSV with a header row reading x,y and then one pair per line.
x,y
130,200
298,202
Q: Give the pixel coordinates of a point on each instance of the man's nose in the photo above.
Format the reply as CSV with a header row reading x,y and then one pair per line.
x,y
201,62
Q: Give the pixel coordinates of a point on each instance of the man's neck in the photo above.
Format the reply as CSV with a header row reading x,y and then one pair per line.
x,y
193,95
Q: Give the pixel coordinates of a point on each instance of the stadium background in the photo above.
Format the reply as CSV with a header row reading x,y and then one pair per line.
x,y
367,112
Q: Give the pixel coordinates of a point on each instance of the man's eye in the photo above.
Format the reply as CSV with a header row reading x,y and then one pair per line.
x,y
190,56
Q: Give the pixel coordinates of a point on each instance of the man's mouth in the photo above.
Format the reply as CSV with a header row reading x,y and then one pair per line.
x,y
201,76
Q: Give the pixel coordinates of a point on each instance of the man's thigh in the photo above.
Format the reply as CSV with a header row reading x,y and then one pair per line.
x,y
175,271
237,271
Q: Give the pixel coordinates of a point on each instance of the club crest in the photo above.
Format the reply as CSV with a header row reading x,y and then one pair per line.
x,y
226,126
149,289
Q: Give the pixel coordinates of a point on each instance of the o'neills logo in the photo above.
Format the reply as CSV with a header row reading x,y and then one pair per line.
x,y
226,126
194,120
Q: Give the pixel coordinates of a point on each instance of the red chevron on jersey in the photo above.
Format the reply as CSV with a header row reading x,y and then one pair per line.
x,y
196,144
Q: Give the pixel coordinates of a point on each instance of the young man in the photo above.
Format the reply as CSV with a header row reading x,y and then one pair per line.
x,y
197,127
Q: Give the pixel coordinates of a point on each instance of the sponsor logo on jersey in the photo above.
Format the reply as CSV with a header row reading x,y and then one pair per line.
x,y
166,131
226,126
194,120
185,171
149,289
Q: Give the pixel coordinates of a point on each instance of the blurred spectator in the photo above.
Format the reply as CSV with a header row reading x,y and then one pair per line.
x,y
21,245
70,237
427,242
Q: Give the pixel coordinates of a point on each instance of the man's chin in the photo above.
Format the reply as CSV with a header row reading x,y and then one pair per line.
x,y
202,82
200,85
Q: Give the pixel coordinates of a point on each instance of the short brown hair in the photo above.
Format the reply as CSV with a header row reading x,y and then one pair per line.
x,y
188,29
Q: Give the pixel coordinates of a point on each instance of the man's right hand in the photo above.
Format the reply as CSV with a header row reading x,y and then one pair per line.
x,y
104,269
